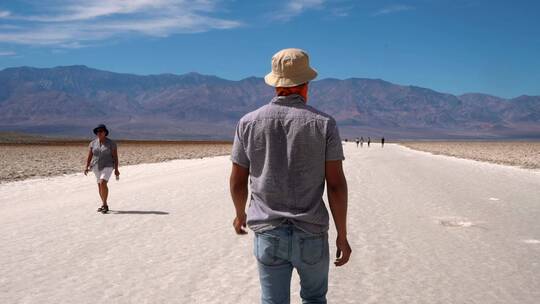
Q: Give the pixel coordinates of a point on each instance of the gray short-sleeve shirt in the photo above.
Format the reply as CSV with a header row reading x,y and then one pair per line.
x,y
285,145
102,153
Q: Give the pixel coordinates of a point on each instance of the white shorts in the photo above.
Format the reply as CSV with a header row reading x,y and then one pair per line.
x,y
104,174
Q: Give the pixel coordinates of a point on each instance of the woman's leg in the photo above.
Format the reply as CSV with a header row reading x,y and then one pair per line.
x,y
104,191
99,190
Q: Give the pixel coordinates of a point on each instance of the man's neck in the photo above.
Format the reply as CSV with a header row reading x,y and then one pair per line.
x,y
304,97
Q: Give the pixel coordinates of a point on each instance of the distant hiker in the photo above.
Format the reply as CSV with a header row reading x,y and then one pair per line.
x,y
357,142
361,141
102,159
287,150
368,141
382,142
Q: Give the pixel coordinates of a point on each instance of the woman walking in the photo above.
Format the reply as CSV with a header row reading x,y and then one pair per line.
x,y
102,159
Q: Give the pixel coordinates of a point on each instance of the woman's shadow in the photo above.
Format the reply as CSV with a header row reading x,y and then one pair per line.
x,y
137,212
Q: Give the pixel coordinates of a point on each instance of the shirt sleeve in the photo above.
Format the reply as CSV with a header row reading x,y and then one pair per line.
x,y
113,145
238,154
334,148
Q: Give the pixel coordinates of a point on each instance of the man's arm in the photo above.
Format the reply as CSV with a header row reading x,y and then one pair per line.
x,y
239,193
336,187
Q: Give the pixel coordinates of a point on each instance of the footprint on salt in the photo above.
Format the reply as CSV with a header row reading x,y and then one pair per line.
x,y
531,241
455,222
452,223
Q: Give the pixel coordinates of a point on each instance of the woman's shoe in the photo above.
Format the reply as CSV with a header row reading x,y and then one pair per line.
x,y
104,209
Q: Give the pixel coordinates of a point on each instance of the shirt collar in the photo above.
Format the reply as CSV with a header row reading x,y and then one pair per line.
x,y
289,99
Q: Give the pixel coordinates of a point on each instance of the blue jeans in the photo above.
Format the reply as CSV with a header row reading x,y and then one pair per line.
x,y
280,250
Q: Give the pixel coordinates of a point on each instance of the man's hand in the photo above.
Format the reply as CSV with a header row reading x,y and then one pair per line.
x,y
239,193
239,224
116,172
86,171
343,251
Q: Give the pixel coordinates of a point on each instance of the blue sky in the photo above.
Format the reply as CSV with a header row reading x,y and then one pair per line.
x,y
453,46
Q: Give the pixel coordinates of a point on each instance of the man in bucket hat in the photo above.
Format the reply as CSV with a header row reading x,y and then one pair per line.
x,y
288,150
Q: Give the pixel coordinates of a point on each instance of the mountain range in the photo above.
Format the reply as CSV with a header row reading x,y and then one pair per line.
x,y
70,100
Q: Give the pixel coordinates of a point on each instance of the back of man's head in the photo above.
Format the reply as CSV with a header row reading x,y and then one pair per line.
x,y
286,91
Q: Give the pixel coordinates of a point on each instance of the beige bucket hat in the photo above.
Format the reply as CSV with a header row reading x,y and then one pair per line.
x,y
290,68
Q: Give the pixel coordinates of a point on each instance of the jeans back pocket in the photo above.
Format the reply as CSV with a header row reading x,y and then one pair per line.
x,y
312,249
266,249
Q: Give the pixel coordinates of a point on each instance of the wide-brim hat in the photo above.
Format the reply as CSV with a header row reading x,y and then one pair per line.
x,y
290,68
101,127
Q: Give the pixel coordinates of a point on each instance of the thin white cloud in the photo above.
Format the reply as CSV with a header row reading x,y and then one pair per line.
x,y
7,53
75,24
297,7
393,9
4,14
164,26
79,10
341,11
